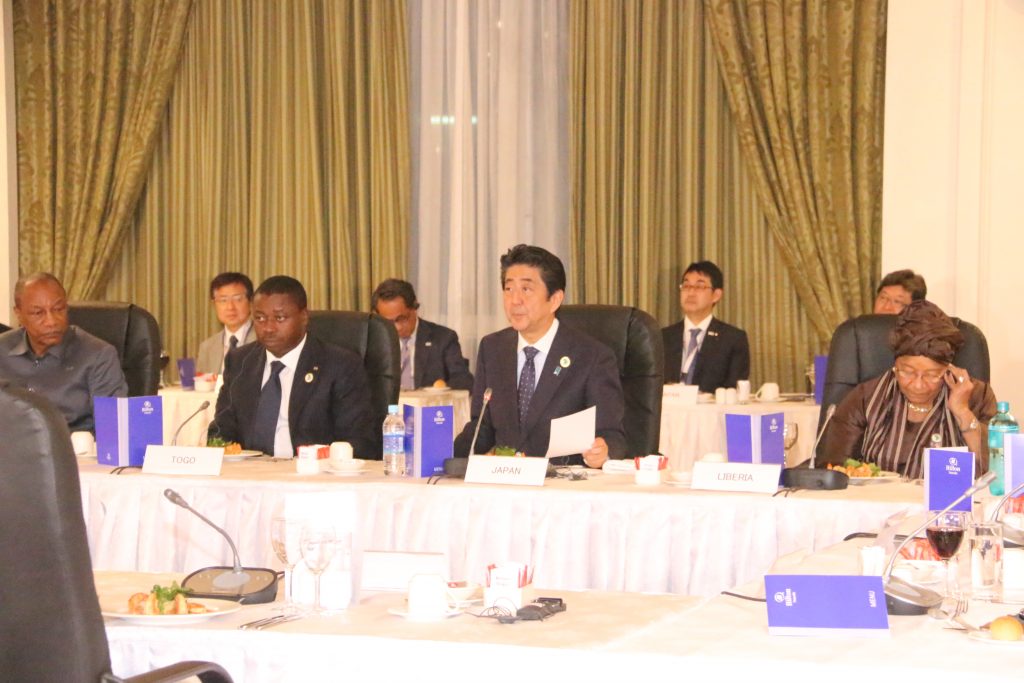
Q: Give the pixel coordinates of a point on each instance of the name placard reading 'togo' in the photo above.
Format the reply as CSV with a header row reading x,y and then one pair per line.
x,y
736,476
183,460
501,469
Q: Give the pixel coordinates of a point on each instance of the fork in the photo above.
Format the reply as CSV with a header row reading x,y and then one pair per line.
x,y
259,623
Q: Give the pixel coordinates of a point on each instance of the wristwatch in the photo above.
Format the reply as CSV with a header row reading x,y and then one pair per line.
x,y
971,427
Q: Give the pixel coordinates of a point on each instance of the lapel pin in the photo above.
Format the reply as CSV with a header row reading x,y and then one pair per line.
x,y
712,334
565,362
309,378
426,344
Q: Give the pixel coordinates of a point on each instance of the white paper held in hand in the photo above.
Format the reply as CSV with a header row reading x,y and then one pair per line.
x,y
573,433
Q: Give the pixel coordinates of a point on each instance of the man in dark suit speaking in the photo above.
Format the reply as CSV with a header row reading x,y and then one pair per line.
x,y
701,349
539,369
289,389
430,352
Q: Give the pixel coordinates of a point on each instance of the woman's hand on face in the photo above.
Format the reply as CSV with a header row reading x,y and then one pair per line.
x,y
960,388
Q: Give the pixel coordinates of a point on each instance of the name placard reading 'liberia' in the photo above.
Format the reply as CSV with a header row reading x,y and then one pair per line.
x,y
736,476
183,460
504,469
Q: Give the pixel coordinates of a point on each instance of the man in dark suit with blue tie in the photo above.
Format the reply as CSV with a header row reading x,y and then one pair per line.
x,y
289,389
429,352
539,369
702,349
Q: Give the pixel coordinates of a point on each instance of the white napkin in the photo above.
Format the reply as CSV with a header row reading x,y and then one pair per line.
x,y
619,466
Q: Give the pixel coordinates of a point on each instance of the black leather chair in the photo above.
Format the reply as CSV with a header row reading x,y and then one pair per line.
x,y
132,331
375,340
50,624
4,328
860,350
635,339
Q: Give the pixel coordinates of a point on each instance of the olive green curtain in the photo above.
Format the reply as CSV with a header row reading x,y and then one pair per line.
x,y
659,180
806,81
92,82
285,151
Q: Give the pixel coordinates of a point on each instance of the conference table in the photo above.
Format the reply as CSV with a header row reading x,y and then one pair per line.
x,y
602,636
690,431
604,533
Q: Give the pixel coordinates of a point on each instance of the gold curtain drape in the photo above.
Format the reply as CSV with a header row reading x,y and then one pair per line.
x,y
659,180
92,79
285,151
806,82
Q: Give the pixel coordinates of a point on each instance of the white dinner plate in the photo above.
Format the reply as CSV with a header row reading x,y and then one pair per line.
x,y
684,484
344,473
453,611
244,455
882,478
921,572
216,608
986,637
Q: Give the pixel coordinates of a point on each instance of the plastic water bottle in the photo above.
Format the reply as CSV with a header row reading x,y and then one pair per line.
x,y
998,427
394,443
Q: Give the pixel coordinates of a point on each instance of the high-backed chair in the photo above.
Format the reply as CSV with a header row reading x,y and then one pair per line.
x,y
4,328
860,350
50,624
635,339
375,340
132,331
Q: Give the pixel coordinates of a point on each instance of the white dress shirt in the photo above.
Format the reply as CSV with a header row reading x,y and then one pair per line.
x,y
543,346
240,334
282,436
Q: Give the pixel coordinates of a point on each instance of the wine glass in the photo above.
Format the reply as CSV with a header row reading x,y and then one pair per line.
x,y
790,434
318,544
285,537
945,535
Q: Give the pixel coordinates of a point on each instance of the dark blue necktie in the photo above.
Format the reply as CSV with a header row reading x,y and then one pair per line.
x,y
527,381
267,411
691,350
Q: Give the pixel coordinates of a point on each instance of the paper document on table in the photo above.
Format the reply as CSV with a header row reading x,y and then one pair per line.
x,y
573,433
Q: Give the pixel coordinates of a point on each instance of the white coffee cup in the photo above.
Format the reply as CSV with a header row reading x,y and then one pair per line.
x,y
730,396
769,392
340,450
205,382
428,597
83,443
720,396
743,390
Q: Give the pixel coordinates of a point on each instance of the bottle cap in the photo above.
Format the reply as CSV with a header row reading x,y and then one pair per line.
x,y
1003,406
393,409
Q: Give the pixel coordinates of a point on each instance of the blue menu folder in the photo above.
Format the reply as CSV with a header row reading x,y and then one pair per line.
x,y
803,605
755,439
429,435
125,426
948,473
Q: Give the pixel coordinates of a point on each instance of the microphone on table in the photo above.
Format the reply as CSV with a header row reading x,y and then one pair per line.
x,y
201,408
905,598
798,477
1012,536
248,585
456,467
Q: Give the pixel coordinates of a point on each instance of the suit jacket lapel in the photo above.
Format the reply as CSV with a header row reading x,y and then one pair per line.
x,y
308,366
708,350
419,361
547,381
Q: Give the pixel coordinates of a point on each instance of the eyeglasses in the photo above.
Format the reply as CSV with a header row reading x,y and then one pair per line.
x,y
699,287
931,377
234,299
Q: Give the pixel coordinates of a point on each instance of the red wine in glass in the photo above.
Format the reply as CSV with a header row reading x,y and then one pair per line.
x,y
945,540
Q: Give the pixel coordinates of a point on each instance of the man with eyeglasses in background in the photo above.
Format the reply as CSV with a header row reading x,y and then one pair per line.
x,y
231,294
897,290
701,349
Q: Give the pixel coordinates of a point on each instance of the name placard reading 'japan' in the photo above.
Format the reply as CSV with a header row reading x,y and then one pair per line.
x,y
503,469
183,460
736,476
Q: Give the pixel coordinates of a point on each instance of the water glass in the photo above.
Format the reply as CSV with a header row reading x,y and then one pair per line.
x,y
285,536
318,545
986,544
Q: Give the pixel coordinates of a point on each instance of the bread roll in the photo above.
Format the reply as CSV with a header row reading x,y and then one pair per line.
x,y
1006,628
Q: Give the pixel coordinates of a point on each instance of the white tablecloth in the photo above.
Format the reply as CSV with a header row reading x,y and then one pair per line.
x,y
605,533
688,432
601,637
178,405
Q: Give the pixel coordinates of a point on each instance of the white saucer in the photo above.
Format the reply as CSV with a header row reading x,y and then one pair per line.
x,y
344,473
405,615
685,484
244,455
